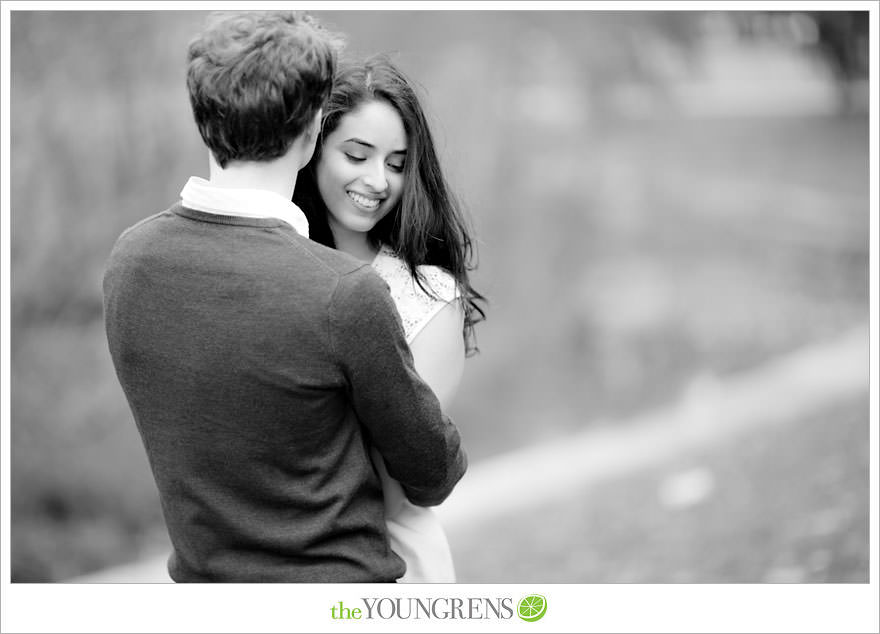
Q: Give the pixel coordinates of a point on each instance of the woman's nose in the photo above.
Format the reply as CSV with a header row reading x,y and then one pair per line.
x,y
375,178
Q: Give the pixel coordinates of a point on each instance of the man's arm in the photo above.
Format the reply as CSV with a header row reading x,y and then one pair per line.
x,y
421,447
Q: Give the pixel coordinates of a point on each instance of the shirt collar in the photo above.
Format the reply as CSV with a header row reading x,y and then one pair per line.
x,y
201,195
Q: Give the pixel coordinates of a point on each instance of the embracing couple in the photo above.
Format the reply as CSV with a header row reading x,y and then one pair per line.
x,y
288,334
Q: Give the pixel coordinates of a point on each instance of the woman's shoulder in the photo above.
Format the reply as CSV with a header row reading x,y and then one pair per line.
x,y
438,281
416,303
437,284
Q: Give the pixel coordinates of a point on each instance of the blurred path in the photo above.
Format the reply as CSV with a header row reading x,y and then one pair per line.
x,y
709,411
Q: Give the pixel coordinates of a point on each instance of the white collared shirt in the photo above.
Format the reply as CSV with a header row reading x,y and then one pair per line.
x,y
201,195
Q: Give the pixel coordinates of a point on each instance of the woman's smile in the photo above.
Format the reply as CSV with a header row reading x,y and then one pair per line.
x,y
367,203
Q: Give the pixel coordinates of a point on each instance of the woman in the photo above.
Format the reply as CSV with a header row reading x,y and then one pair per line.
x,y
374,189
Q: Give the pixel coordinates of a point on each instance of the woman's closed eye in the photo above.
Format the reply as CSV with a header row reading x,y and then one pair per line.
x,y
392,165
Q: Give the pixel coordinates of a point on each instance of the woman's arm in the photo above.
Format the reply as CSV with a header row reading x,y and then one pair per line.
x,y
438,352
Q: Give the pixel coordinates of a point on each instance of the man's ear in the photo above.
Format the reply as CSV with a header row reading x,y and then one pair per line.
x,y
315,125
309,139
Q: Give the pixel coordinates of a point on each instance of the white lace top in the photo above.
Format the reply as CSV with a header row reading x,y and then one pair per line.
x,y
416,307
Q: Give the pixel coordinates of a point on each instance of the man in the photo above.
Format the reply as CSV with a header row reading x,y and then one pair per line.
x,y
260,366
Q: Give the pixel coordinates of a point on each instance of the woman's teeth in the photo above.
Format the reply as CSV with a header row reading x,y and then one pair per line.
x,y
370,203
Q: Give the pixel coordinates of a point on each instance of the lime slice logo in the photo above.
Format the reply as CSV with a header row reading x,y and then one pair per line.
x,y
532,607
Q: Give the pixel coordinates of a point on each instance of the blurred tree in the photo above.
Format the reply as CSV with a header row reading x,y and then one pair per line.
x,y
838,38
842,40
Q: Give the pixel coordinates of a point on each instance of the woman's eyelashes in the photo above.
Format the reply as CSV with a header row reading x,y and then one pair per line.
x,y
396,167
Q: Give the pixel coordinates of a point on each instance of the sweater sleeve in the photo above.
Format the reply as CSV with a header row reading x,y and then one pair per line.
x,y
420,445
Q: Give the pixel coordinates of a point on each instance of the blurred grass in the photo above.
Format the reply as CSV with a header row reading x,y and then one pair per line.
x,y
788,505
621,256
670,259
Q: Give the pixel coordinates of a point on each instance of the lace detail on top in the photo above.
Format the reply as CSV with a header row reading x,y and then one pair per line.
x,y
415,306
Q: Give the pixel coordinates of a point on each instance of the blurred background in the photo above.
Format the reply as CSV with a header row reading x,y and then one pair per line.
x,y
661,200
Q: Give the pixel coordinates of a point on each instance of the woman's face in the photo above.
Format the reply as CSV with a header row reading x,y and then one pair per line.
x,y
360,172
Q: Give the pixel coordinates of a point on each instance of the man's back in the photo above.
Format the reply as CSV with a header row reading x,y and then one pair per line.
x,y
248,355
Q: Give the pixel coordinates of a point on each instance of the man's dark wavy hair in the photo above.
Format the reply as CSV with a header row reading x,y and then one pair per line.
x,y
427,225
256,80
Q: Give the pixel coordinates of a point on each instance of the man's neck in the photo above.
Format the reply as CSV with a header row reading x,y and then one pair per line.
x,y
278,176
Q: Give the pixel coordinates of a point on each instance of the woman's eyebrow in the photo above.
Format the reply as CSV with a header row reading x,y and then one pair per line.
x,y
370,145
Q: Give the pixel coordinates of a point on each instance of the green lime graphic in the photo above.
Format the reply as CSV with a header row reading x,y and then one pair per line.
x,y
532,607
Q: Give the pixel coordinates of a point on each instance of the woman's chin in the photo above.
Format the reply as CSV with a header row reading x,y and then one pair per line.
x,y
359,225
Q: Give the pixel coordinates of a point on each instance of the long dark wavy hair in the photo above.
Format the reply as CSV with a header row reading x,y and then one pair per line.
x,y
427,225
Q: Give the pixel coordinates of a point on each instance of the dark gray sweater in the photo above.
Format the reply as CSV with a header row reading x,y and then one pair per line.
x,y
259,367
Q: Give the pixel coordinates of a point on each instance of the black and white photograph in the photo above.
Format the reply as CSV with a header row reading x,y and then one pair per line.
x,y
444,295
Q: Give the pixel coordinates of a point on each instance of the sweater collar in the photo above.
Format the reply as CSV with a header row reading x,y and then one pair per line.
x,y
201,195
